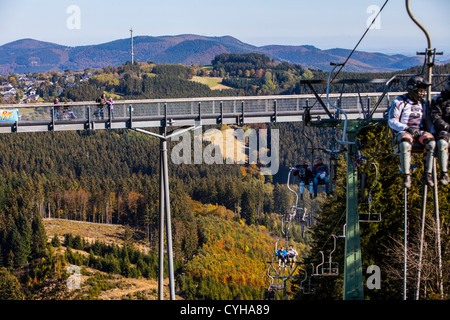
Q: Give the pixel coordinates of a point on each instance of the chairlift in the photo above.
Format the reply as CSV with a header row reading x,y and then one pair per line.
x,y
276,286
320,265
308,287
289,187
331,268
282,272
343,232
370,215
334,154
272,272
270,293
280,265
286,224
296,207
292,214
302,218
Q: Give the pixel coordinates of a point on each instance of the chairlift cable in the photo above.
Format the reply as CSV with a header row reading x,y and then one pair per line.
x,y
356,46
332,233
360,40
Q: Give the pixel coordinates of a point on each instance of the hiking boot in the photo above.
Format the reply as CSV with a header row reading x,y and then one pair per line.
x,y
428,179
328,196
444,178
406,181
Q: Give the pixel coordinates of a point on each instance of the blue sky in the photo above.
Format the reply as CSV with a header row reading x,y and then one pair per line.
x,y
322,23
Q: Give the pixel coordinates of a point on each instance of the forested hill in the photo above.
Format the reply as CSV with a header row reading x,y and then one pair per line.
x,y
29,55
222,216
112,177
226,218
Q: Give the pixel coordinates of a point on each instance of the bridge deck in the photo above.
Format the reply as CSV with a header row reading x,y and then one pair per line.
x,y
182,112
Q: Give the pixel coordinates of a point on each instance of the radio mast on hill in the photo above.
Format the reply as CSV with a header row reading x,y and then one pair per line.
x,y
132,52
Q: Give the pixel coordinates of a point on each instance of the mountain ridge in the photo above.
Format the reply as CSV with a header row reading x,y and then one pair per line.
x,y
30,55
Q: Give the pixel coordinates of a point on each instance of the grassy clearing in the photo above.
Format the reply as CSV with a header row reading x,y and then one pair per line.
x,y
214,83
95,284
90,231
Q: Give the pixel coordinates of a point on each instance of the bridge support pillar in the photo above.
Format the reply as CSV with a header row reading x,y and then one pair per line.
x,y
164,208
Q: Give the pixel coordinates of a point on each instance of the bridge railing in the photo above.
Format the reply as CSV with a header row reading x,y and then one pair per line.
x,y
178,112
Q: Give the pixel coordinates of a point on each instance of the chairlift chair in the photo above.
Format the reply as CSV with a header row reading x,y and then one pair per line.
x,y
343,232
294,209
270,294
272,263
271,271
333,153
369,215
286,224
303,216
308,287
331,268
302,174
276,286
289,187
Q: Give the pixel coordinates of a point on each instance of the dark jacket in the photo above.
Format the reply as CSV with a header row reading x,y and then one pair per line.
x,y
318,169
101,101
440,111
304,172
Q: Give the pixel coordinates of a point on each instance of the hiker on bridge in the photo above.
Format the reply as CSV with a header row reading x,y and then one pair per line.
x,y
101,105
440,115
410,120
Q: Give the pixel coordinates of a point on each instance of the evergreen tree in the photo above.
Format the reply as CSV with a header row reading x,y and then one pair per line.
x,y
24,228
248,206
17,249
55,241
78,243
39,237
10,288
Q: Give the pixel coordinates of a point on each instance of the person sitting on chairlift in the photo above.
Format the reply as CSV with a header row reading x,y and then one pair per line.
x,y
411,122
304,172
281,254
291,254
440,116
320,173
289,216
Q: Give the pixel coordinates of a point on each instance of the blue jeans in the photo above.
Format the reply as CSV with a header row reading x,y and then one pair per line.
x,y
325,180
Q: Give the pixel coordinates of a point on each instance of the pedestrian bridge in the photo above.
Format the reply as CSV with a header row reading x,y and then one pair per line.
x,y
156,113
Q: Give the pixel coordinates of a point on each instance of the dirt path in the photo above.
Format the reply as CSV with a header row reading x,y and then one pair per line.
x,y
133,287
